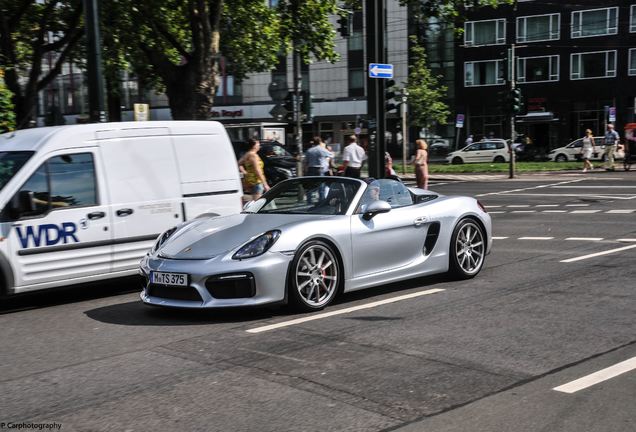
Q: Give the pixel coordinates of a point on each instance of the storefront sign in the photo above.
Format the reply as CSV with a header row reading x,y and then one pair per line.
x,y
538,104
228,113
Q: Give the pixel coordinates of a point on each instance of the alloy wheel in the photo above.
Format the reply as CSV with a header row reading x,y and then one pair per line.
x,y
470,248
316,275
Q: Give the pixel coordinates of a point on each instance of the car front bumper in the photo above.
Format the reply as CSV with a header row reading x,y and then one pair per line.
x,y
266,274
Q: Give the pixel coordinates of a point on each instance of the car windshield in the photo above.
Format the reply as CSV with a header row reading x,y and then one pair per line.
x,y
10,164
311,196
275,150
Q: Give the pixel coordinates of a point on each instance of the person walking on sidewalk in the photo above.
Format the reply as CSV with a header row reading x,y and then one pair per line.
x,y
353,156
587,149
317,159
611,141
251,165
421,164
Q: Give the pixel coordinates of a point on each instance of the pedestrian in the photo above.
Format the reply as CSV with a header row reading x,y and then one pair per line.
x,y
353,156
251,165
587,149
468,141
317,158
388,165
421,163
611,141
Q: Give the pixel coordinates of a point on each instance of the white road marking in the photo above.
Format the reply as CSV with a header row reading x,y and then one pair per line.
x,y
607,252
554,211
492,206
585,211
496,212
626,240
597,377
342,311
595,187
577,205
524,211
518,205
585,238
536,238
543,195
530,188
547,205
499,238
625,211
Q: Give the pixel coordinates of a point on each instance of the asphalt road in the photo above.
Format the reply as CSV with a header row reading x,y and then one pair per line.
x,y
555,303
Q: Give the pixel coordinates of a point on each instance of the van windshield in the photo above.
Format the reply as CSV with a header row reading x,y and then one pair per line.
x,y
10,164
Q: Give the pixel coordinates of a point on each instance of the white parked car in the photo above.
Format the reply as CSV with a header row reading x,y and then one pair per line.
x,y
492,150
572,151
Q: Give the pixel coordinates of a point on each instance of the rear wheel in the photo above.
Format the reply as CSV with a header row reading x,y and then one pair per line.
x,y
314,278
499,159
457,161
467,250
561,158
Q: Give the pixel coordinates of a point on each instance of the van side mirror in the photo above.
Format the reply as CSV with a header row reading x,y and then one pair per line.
x,y
21,203
376,207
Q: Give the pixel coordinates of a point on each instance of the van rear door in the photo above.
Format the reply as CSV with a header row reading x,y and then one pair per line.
x,y
144,192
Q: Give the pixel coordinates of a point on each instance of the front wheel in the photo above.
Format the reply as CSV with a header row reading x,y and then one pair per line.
x,y
467,250
315,276
457,161
561,158
499,159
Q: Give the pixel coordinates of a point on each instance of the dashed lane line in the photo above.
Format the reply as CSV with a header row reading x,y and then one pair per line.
x,y
577,205
585,238
598,377
536,238
587,211
342,311
597,254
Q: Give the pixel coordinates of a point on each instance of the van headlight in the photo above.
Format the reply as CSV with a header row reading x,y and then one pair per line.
x,y
257,246
163,238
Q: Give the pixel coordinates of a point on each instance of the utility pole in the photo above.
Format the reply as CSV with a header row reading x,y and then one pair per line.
x,y
375,23
94,63
405,130
513,133
298,121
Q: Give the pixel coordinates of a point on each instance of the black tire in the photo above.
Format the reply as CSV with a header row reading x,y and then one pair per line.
x,y
499,159
457,161
467,250
315,270
561,158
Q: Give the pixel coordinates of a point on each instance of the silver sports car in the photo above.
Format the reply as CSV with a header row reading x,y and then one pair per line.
x,y
310,238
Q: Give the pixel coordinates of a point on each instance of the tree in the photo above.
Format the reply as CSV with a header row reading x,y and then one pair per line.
x,y
30,31
426,95
7,116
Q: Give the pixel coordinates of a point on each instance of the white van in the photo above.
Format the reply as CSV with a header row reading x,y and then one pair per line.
x,y
85,202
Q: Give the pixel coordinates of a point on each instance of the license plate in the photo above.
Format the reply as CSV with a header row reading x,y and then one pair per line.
x,y
163,278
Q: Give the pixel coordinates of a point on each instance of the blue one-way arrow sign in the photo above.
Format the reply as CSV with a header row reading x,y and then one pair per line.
x,y
380,70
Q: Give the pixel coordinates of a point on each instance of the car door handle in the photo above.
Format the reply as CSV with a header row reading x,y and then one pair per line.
x,y
420,220
124,212
96,215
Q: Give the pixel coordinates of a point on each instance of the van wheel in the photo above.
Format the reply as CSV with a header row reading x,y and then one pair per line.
x,y
499,159
457,161
561,158
314,278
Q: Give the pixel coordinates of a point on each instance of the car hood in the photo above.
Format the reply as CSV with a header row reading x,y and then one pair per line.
x,y
207,238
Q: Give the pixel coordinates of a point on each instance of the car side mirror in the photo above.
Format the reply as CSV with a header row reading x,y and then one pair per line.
x,y
376,207
21,203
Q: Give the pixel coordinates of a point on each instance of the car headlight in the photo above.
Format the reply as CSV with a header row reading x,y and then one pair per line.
x,y
257,246
162,239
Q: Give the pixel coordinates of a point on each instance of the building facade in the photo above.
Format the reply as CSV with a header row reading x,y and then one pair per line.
x,y
575,63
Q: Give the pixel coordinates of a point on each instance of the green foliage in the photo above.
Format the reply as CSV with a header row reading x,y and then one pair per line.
x,y
7,116
426,95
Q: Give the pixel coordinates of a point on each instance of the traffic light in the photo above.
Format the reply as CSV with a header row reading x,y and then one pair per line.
x,y
288,104
517,100
305,105
390,96
344,25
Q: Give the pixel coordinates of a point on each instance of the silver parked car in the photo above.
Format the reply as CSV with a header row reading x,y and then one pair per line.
x,y
309,238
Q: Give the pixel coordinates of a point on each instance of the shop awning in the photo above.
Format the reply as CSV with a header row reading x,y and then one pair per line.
x,y
537,117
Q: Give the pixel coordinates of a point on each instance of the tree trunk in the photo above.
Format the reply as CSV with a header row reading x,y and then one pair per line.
x,y
190,94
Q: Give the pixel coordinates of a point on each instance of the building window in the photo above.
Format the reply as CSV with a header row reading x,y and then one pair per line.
x,y
594,22
489,32
356,82
483,73
632,61
601,64
632,22
538,28
538,69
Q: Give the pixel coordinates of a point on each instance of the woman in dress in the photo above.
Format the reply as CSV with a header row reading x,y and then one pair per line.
x,y
421,164
587,149
251,165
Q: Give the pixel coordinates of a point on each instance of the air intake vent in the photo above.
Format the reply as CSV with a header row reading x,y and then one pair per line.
x,y
431,237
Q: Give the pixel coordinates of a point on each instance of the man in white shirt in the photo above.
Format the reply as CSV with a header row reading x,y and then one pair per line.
x,y
352,158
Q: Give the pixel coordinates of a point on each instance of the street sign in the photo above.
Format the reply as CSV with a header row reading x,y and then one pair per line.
x,y
141,112
459,121
612,114
380,70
